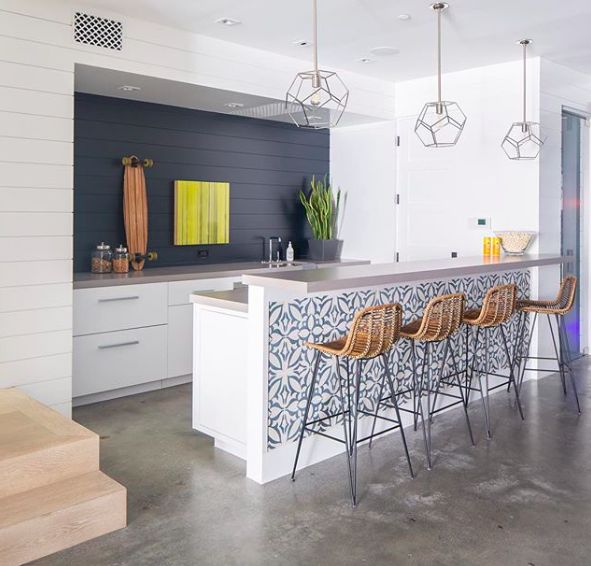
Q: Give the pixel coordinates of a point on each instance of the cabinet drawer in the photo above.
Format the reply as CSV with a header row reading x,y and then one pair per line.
x,y
118,308
103,362
179,292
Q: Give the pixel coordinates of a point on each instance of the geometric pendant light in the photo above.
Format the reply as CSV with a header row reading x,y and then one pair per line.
x,y
523,140
440,123
316,99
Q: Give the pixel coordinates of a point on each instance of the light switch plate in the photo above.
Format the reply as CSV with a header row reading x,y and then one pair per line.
x,y
480,223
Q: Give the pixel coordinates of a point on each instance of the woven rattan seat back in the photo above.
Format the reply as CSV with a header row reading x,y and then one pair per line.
x,y
443,316
566,294
498,305
374,331
561,305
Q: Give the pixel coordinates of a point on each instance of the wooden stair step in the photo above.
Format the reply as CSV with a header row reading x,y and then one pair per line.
x,y
54,517
39,446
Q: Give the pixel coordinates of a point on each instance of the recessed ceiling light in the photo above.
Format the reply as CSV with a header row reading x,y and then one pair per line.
x,y
404,17
302,43
228,22
384,51
129,88
365,60
234,105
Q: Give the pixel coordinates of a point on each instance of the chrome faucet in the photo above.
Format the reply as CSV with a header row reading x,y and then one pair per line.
x,y
278,257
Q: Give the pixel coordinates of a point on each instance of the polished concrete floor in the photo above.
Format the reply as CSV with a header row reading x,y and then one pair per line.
x,y
523,498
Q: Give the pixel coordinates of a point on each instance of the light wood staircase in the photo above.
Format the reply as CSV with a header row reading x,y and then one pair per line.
x,y
52,493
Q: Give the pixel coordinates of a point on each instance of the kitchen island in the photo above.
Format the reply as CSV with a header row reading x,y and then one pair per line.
x,y
251,366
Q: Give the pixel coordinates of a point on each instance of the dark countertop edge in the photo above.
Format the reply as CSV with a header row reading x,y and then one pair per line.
x,y
85,280
357,281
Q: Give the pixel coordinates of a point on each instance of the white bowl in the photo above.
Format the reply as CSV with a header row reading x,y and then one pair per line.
x,y
515,242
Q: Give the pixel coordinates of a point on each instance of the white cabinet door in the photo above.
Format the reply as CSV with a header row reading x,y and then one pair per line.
x,y
180,320
180,340
103,362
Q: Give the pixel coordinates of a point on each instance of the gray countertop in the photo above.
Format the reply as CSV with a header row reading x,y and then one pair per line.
x,y
349,277
192,272
235,300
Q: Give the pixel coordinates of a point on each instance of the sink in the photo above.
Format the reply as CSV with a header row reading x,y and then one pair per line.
x,y
279,264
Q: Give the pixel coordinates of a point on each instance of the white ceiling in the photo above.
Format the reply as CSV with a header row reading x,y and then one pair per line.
x,y
476,32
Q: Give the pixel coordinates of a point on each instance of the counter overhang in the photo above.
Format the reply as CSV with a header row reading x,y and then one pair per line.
x,y
335,278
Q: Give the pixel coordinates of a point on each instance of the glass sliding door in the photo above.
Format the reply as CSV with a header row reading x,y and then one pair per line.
x,y
571,226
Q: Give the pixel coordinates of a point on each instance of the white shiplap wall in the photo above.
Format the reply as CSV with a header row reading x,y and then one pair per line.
x,y
36,160
37,65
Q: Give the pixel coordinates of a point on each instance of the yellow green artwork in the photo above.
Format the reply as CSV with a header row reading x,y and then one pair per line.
x,y
201,213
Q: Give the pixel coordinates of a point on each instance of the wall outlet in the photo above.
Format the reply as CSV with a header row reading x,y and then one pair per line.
x,y
202,253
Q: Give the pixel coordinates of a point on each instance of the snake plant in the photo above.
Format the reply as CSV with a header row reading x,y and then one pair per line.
x,y
322,208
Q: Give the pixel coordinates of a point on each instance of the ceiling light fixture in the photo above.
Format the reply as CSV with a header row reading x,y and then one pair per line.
x,y
318,98
440,123
129,88
384,51
404,17
228,22
523,140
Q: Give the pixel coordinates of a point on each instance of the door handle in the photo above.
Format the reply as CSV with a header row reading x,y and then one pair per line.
x,y
119,345
113,299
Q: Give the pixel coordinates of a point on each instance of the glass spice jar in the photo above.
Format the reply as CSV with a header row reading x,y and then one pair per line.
x,y
101,259
121,260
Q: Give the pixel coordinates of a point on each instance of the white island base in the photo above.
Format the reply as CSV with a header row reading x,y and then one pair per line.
x,y
251,366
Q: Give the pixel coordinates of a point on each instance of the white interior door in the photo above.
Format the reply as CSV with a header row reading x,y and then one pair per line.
x,y
426,213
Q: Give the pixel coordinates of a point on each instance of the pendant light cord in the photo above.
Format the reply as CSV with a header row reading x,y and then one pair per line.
x,y
524,43
315,39
439,55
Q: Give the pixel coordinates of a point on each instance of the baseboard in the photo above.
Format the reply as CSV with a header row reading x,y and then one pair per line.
x,y
133,390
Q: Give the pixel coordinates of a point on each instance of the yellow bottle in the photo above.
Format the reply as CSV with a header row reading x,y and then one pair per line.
x,y
496,247
486,246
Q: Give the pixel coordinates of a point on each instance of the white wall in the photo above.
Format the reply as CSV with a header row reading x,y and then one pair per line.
x,y
36,161
442,189
362,163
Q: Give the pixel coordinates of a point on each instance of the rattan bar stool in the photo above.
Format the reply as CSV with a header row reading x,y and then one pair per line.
x,y
497,308
373,332
552,309
441,319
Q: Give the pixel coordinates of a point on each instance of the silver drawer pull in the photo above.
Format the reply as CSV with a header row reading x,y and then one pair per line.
x,y
107,346
133,297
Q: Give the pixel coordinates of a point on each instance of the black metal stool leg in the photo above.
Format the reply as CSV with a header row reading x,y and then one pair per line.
x,y
566,349
395,403
306,412
485,404
464,400
356,429
518,346
417,382
521,377
559,359
438,385
379,402
422,414
511,373
345,408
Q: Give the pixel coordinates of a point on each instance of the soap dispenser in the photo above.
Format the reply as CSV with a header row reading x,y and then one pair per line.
x,y
289,253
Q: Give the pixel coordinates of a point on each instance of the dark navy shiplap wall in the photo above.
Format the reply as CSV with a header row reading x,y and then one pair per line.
x,y
266,163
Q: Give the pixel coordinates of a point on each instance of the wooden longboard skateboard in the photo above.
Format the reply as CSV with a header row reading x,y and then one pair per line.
x,y
135,211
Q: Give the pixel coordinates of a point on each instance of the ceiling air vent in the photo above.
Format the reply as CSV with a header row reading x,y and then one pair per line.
x,y
98,32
